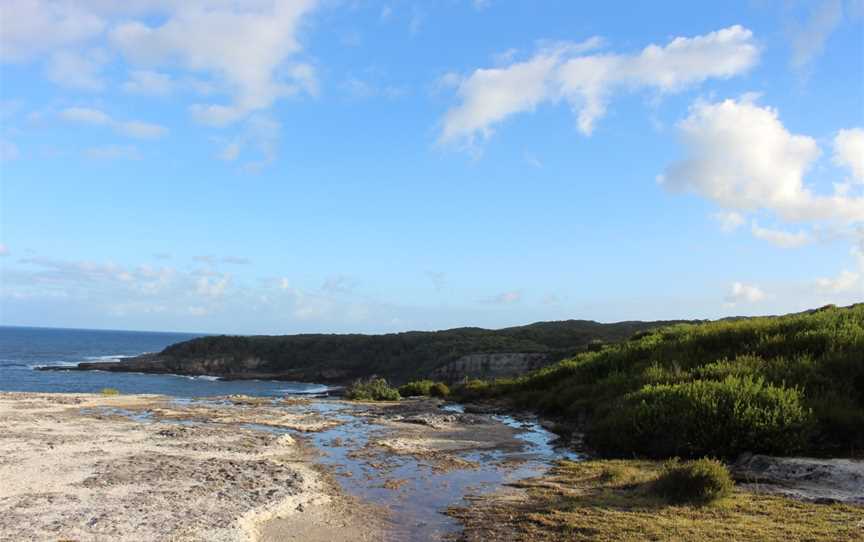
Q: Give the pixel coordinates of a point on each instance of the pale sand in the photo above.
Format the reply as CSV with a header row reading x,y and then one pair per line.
x,y
72,470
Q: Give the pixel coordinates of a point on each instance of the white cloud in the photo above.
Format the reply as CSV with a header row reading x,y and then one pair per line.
x,y
740,156
245,47
40,26
846,281
76,70
86,116
141,130
782,239
849,151
489,96
113,152
149,82
248,50
133,128
587,81
729,220
213,286
744,293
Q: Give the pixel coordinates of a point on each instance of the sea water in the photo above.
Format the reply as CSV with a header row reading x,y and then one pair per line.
x,y
25,349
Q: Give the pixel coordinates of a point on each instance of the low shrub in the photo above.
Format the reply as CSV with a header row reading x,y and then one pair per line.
x,y
416,388
700,481
439,389
470,390
703,417
373,389
109,391
426,388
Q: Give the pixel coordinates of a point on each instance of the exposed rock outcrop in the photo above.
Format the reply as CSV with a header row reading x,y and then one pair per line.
x,y
496,365
805,478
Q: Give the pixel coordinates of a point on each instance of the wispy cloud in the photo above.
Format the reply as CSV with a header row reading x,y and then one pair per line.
x,y
113,152
131,128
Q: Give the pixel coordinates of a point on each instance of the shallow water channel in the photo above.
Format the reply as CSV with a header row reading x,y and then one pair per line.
x,y
425,492
416,492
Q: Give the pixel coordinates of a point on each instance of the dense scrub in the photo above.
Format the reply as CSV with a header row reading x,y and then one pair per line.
x,y
373,389
427,388
399,357
775,385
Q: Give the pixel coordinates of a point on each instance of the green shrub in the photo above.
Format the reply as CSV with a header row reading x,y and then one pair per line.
x,y
373,389
426,388
109,391
439,389
700,481
474,389
704,417
416,388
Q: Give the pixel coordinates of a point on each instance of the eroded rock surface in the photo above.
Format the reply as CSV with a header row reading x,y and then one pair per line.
x,y
809,479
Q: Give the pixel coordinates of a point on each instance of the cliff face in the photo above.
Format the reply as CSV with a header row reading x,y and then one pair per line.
x,y
490,366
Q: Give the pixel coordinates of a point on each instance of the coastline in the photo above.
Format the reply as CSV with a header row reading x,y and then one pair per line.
x,y
243,468
85,466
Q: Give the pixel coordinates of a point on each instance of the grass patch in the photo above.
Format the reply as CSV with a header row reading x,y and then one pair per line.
x,y
109,391
373,389
614,500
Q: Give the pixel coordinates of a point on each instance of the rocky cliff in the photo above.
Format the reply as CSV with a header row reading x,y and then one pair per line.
x,y
490,366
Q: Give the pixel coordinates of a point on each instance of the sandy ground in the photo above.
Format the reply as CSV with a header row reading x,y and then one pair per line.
x,y
74,468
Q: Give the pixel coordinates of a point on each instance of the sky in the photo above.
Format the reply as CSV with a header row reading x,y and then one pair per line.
x,y
285,166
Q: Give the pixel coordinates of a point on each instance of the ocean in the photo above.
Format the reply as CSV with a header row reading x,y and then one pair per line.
x,y
24,349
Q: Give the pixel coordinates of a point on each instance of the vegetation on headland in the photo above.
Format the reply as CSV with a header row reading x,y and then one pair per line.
x,y
372,389
606,500
424,388
777,385
399,357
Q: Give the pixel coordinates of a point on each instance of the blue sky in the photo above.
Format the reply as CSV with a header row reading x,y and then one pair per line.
x,y
265,167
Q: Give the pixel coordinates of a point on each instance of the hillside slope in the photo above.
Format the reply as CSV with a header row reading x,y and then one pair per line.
x,y
779,385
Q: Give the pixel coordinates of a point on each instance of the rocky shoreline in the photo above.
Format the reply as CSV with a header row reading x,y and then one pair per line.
x,y
149,467
239,468
91,467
